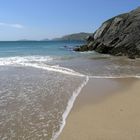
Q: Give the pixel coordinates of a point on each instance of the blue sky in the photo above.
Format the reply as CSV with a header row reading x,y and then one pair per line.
x,y
39,19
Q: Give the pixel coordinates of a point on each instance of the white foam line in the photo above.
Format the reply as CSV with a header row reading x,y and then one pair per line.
x,y
20,59
54,69
74,73
64,70
115,77
75,95
69,107
69,71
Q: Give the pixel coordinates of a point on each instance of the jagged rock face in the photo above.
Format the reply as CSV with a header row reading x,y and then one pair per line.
x,y
119,35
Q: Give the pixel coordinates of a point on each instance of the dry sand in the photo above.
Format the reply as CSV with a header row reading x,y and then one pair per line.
x,y
106,109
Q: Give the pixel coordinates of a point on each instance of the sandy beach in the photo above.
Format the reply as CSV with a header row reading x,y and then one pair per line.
x,y
106,109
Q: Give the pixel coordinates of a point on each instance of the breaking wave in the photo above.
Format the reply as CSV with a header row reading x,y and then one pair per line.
x,y
40,62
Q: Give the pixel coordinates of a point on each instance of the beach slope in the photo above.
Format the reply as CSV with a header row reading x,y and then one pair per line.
x,y
105,110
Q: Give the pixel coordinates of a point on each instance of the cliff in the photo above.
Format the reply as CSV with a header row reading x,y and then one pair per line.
x,y
118,36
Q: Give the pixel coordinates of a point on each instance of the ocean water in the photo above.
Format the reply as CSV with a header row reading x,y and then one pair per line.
x,y
39,82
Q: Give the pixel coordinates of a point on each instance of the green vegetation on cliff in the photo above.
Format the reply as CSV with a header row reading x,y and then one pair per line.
x,y
77,36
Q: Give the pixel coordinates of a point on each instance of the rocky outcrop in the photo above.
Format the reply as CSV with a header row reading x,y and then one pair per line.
x,y
118,36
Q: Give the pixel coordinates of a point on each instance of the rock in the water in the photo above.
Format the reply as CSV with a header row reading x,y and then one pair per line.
x,y
118,36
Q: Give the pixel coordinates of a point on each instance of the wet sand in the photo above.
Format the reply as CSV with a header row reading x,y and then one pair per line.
x,y
106,109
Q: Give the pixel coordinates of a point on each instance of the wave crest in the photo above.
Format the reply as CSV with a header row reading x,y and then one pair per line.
x,y
40,62
25,59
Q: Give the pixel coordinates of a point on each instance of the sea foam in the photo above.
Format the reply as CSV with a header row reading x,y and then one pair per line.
x,y
40,62
37,62
69,107
25,59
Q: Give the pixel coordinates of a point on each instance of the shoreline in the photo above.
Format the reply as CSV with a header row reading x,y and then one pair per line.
x,y
99,102
69,107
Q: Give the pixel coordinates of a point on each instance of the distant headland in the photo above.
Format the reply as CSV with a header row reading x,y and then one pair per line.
x,y
73,37
70,37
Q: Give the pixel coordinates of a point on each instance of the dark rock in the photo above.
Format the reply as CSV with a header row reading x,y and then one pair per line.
x,y
81,48
118,36
68,48
131,56
119,54
90,38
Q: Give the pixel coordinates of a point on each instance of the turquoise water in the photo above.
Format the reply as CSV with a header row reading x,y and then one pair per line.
x,y
42,48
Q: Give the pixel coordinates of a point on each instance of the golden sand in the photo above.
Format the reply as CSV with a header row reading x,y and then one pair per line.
x,y
105,110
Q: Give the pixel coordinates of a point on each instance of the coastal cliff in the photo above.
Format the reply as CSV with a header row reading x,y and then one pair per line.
x,y
119,36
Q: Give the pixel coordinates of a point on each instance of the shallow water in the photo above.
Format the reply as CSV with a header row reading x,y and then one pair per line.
x,y
103,67
39,83
32,102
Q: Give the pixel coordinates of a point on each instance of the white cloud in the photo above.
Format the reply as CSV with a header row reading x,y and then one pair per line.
x,y
19,26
